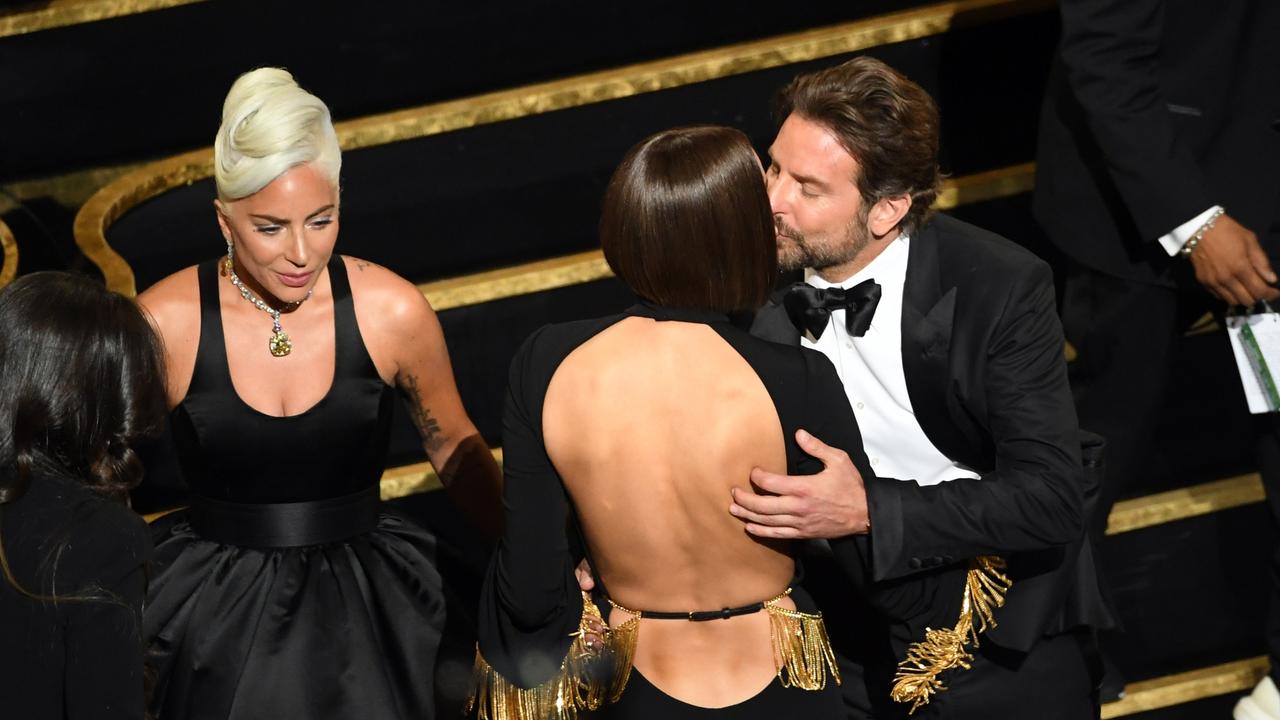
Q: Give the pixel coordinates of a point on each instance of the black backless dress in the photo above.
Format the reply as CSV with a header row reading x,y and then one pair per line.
x,y
528,663
287,590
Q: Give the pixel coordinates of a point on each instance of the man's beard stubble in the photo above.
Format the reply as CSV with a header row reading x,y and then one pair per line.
x,y
797,252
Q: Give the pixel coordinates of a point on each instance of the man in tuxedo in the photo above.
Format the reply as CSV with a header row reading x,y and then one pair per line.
x,y
1157,178
949,346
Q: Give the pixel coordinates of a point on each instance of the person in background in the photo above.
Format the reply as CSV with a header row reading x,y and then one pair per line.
x,y
82,383
1156,178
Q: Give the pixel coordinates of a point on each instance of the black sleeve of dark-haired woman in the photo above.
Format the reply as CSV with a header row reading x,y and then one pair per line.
x,y
104,650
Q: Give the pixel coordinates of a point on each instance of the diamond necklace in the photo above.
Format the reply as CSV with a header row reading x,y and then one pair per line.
x,y
279,344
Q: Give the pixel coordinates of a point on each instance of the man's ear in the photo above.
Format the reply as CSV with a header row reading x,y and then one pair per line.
x,y
887,214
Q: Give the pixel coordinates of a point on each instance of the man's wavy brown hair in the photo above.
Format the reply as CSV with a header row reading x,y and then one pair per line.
x,y
886,122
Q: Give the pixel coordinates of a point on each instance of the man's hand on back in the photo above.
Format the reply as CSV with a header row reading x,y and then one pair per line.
x,y
830,504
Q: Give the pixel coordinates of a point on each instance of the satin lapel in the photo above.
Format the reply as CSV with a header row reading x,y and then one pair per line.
x,y
928,316
771,323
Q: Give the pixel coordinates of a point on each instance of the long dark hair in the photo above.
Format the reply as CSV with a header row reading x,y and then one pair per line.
x,y
686,221
81,382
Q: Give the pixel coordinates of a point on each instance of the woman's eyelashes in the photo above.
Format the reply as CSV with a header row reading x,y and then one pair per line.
x,y
274,229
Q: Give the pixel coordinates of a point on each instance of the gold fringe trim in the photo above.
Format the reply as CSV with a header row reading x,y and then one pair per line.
x,y
589,676
917,679
801,648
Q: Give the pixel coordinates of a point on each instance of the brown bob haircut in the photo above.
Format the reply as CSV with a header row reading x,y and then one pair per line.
x,y
686,221
886,122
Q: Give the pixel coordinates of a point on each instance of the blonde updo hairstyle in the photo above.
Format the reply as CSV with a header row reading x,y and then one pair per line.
x,y
270,125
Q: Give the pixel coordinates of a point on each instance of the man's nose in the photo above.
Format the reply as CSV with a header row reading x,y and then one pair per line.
x,y
777,196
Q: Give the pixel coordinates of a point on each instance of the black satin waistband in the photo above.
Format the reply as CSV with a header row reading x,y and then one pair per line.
x,y
281,525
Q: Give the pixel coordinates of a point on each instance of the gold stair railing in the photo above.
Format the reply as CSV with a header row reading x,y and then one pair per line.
x,y
38,16
1181,688
9,253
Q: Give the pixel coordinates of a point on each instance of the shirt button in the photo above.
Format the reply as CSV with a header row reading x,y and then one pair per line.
x,y
875,461
848,344
860,406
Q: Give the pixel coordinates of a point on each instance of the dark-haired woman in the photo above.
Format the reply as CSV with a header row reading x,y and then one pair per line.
x,y
80,382
625,434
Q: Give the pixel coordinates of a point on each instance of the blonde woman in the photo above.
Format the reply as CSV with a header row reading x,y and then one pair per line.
x,y
286,590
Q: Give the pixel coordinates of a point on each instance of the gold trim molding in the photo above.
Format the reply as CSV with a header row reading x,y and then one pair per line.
x,y
989,185
1187,687
1166,507
417,478
524,279
61,13
68,189
9,247
115,199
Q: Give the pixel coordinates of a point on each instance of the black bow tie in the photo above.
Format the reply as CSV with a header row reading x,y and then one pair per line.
x,y
810,308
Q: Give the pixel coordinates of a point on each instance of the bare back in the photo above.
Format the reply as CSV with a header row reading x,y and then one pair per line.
x,y
649,425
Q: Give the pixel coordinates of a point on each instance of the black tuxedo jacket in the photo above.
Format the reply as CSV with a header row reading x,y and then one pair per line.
x,y
1155,111
982,352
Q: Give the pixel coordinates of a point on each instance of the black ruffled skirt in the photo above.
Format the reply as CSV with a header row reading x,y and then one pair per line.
x,y
348,629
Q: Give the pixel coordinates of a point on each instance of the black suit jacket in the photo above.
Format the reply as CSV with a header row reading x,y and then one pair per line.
x,y
1155,111
982,352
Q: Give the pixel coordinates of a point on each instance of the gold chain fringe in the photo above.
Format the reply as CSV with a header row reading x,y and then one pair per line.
x,y
588,677
801,648
917,679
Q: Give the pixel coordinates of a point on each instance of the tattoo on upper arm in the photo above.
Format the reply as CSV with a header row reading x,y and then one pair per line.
x,y
362,264
428,427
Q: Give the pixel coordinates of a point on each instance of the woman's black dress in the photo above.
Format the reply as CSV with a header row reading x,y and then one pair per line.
x,y
531,604
286,590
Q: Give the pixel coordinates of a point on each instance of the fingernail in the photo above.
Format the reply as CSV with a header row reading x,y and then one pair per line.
x,y
802,435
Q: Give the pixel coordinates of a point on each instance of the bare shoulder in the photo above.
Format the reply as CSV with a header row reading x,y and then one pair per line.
x,y
398,325
173,307
385,297
171,302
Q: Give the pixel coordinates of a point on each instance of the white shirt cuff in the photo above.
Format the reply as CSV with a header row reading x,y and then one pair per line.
x,y
1174,241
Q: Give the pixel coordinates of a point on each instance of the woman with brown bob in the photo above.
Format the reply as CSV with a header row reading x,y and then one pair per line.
x,y
81,383
623,436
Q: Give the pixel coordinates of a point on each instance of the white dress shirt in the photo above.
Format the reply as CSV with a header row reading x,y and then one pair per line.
x,y
1174,241
871,369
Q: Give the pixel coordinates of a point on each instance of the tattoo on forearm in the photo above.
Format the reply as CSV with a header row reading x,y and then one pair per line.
x,y
428,427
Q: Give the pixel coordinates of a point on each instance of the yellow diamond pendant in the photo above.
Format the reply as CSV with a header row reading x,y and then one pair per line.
x,y
280,344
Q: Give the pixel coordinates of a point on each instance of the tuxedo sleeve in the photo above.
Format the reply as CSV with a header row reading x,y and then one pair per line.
x,y
830,418
1111,51
1033,498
